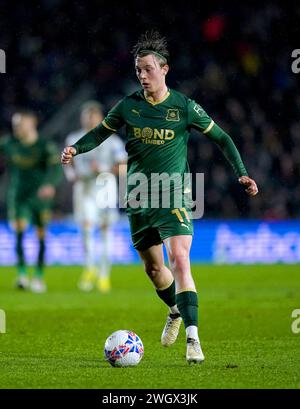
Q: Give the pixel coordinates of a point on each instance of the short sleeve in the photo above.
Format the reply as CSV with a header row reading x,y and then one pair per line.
x,y
115,118
198,118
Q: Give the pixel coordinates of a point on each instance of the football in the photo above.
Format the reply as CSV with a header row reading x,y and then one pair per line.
x,y
123,348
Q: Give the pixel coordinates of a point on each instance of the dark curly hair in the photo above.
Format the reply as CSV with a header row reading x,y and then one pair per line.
x,y
151,42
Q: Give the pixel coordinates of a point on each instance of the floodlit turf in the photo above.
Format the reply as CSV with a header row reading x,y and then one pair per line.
x,y
56,340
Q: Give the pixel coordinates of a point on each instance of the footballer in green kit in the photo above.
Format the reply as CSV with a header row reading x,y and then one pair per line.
x,y
158,121
34,172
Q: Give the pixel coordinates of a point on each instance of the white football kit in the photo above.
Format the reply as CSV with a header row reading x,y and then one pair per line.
x,y
95,196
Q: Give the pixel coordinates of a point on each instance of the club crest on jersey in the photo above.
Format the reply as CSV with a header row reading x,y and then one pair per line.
x,y
172,115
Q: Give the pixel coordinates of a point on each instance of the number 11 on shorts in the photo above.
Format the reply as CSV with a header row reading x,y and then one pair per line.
x,y
178,213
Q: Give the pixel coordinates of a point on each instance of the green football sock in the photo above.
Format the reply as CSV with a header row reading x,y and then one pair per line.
x,y
21,270
168,295
41,258
20,254
187,303
39,272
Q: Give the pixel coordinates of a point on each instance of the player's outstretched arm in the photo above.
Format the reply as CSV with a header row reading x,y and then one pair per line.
x,y
89,141
250,184
199,119
111,123
232,154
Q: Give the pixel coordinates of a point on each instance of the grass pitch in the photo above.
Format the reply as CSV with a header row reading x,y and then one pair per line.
x,y
56,340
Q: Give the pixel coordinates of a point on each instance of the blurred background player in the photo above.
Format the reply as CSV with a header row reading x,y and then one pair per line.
x,y
94,179
34,174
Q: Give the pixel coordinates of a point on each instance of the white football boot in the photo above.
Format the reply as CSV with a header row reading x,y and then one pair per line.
x,y
22,282
171,329
38,286
194,352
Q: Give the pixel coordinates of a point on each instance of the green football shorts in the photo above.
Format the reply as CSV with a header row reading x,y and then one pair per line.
x,y
150,227
33,210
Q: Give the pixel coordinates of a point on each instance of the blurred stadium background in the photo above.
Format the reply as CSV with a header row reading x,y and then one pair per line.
x,y
234,58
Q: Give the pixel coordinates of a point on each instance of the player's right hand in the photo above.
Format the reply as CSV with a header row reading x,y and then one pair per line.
x,y
67,155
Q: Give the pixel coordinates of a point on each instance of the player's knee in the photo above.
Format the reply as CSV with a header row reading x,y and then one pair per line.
x,y
87,226
153,269
180,260
20,225
40,232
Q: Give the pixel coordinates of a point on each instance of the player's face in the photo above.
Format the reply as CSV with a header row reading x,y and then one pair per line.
x,y
90,119
23,125
150,74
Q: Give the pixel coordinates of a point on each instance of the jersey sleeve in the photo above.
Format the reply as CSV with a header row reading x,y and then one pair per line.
x,y
114,120
198,118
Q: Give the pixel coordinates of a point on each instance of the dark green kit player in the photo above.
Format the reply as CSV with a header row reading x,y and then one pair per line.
x,y
34,172
158,121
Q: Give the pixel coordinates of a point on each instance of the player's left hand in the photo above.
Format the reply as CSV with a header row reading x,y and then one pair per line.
x,y
250,184
46,192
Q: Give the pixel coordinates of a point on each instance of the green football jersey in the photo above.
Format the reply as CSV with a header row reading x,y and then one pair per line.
x,y
30,166
157,135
